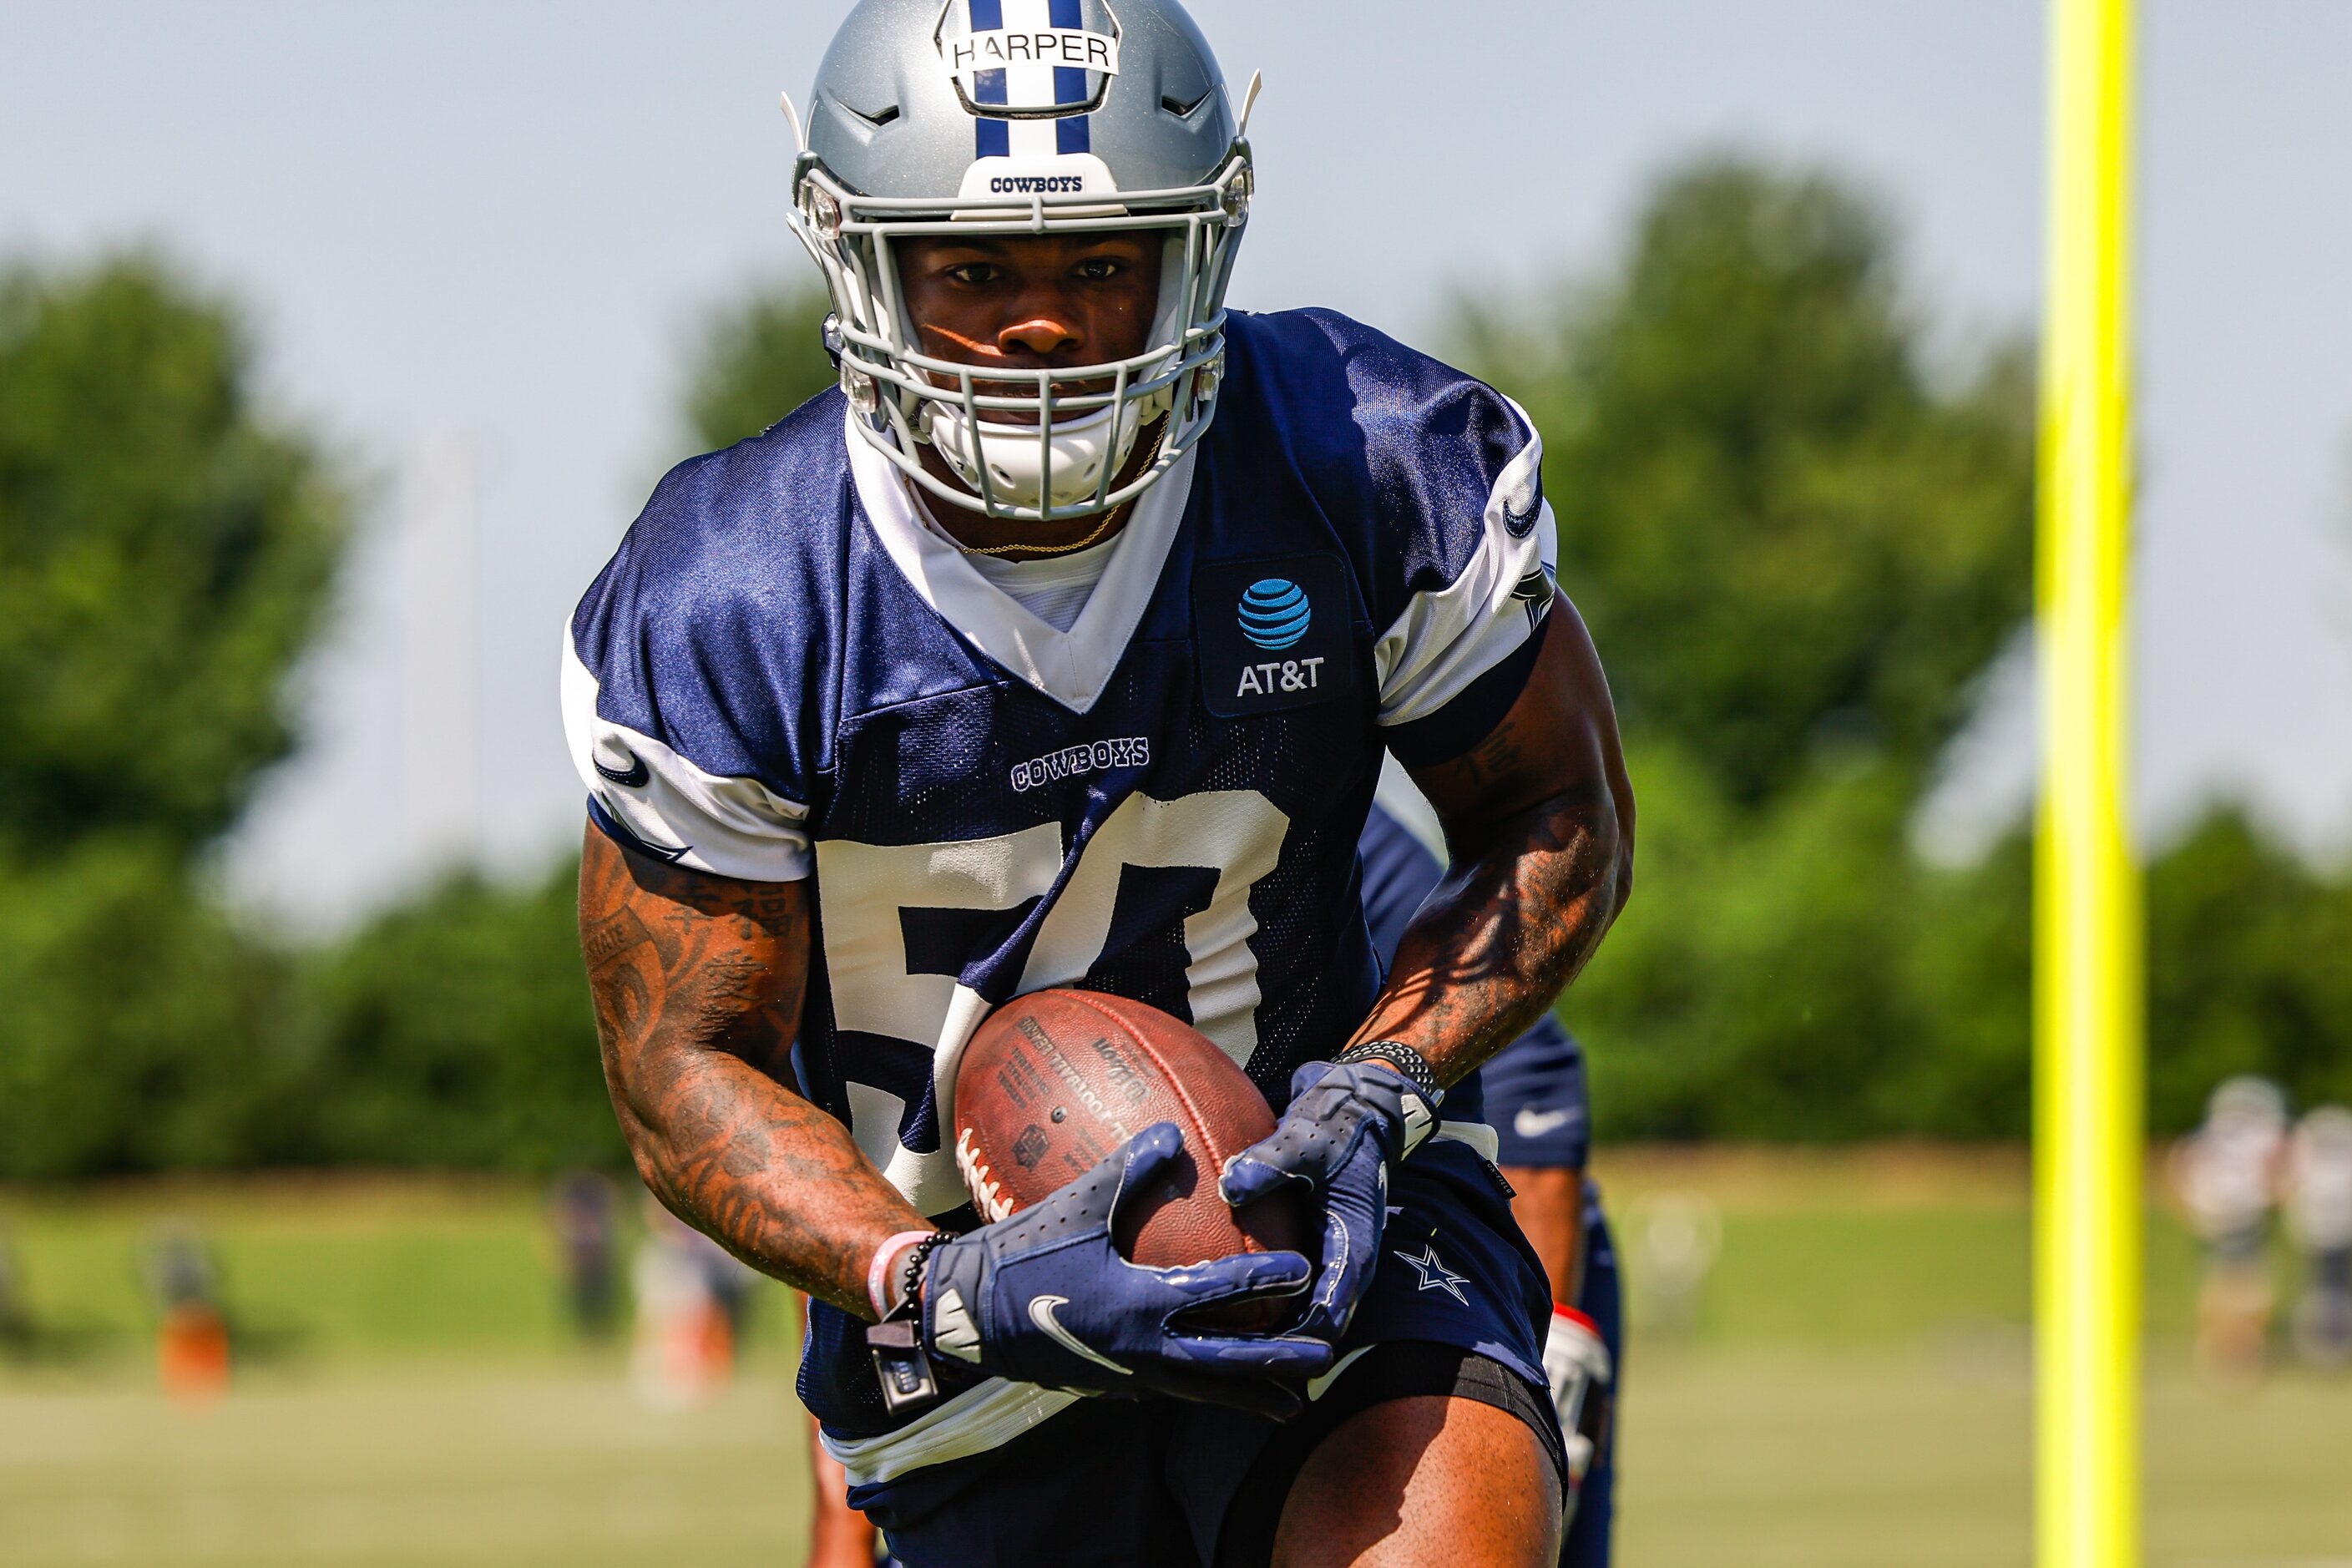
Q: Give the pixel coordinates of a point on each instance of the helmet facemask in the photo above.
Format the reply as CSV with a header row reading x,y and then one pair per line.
x,y
1026,446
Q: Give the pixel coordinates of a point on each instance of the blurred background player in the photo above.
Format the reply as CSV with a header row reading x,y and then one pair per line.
x,y
192,1338
2318,1200
1535,1101
584,1210
689,1293
15,1311
2227,1175
1676,1238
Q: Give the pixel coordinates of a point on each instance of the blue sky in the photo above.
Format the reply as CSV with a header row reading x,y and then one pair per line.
x,y
490,231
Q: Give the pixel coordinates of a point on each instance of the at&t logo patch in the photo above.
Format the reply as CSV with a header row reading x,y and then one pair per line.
x,y
1298,609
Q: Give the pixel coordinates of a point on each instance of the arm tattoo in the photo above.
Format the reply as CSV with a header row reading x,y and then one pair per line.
x,y
697,981
1540,831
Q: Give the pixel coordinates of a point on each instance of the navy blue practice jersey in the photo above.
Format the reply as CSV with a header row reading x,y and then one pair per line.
x,y
787,671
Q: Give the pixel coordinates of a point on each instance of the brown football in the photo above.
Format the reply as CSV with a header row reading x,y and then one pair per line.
x,y
1052,1083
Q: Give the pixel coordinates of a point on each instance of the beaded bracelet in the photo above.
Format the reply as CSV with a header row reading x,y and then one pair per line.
x,y
877,1272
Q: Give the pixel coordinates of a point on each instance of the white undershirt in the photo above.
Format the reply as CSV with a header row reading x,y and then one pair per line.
x,y
1055,589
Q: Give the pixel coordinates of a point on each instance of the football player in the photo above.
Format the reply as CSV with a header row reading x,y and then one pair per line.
x,y
1062,646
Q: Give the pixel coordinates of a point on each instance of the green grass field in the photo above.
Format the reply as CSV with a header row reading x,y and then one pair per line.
x,y
1856,1393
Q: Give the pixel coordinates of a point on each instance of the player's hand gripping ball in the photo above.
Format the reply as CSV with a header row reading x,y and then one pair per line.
x,y
1083,1125
1054,1083
1347,1124
1043,1297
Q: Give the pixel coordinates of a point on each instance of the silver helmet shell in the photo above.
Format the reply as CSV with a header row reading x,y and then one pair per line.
x,y
1024,117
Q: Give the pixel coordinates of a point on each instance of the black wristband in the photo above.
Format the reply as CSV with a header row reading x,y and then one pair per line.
x,y
1410,1064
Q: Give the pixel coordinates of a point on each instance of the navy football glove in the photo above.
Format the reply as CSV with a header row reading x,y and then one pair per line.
x,y
1043,1297
1346,1125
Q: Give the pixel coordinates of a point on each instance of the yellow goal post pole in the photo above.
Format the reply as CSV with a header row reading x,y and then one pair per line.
x,y
2088,1056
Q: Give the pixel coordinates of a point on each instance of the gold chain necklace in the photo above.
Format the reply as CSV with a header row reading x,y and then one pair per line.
x,y
1112,519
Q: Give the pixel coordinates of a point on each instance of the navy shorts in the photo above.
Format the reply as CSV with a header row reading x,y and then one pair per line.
x,y
1007,1473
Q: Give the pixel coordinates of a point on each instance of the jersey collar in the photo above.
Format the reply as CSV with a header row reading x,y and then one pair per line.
x,y
1073,666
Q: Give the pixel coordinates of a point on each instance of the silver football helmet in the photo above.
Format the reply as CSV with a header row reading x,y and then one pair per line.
x,y
1023,117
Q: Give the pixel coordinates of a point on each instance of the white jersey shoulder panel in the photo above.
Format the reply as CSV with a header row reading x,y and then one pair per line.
x,y
1448,638
727,827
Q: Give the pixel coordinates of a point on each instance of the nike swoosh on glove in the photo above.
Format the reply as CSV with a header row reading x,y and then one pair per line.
x,y
1043,1297
1345,1127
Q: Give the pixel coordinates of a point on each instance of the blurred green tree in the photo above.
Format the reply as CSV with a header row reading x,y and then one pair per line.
x,y
2250,970
1794,973
454,1031
1799,545
139,1029
166,550
1785,530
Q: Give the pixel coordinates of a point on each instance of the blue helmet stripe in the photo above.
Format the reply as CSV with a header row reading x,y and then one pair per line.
x,y
1070,86
990,138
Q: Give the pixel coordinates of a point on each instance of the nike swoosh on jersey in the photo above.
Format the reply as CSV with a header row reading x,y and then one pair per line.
x,y
1040,1312
1533,1123
636,776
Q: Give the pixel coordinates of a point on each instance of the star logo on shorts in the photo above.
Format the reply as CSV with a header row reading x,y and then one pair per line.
x,y
1434,1275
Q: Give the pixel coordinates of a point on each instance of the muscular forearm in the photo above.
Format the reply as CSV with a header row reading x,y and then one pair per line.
x,y
697,982
1503,933
1538,817
771,1177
